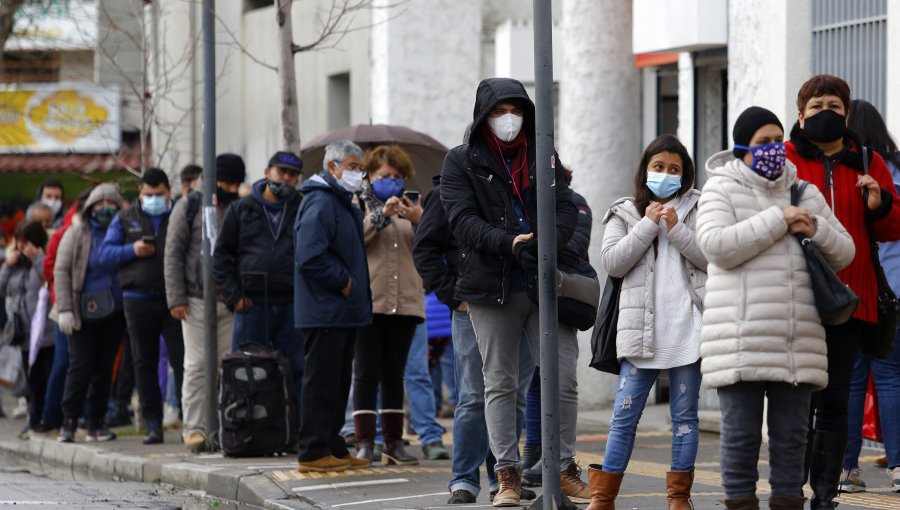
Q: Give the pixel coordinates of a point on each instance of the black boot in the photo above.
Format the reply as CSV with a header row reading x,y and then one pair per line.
x,y
531,455
825,468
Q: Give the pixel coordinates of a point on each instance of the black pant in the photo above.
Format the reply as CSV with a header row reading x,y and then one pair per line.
x,y
326,386
92,351
147,320
124,380
38,375
829,406
380,353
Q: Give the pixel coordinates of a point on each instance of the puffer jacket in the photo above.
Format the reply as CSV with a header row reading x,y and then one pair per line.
x,y
760,321
20,286
627,252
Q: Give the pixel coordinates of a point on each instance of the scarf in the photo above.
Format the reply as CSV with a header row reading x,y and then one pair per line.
x,y
517,152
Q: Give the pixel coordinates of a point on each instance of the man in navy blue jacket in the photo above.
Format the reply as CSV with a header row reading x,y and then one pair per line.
x,y
331,300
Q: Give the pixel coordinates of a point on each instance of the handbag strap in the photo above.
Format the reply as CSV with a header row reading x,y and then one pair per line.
x,y
797,190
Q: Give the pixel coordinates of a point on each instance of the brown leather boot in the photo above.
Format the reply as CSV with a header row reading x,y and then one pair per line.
x,y
745,503
510,492
364,423
394,449
779,502
678,489
604,488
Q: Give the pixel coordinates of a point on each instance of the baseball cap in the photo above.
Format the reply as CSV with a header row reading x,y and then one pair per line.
x,y
287,161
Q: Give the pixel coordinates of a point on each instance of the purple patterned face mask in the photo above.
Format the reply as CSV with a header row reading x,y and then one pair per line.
x,y
768,159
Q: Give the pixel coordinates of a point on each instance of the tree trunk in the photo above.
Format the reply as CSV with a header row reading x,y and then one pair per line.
x,y
290,115
8,10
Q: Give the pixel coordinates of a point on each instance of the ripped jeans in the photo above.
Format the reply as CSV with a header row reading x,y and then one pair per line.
x,y
631,395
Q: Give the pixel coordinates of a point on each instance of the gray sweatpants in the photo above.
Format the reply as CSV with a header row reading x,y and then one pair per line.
x,y
498,331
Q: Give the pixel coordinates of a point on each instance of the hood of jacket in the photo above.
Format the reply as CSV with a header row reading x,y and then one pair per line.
x,y
102,192
324,181
495,90
724,164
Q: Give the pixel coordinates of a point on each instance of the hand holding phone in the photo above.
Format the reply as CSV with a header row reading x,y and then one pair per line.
x,y
412,195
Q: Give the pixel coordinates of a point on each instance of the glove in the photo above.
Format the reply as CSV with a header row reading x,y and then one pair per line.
x,y
526,255
66,322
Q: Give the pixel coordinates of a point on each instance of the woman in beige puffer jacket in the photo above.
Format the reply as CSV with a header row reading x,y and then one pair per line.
x,y
761,336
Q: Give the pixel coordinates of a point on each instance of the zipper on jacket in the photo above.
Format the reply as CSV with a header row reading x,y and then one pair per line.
x,y
829,178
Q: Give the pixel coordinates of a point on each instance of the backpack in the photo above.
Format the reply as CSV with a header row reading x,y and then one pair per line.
x,y
255,402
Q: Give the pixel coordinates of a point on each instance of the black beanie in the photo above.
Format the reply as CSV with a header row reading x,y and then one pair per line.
x,y
230,168
746,125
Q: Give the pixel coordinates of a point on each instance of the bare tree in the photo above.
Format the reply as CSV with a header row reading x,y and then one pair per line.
x,y
8,9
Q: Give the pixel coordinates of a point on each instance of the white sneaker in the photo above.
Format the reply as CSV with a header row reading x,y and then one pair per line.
x,y
895,479
171,420
21,409
851,481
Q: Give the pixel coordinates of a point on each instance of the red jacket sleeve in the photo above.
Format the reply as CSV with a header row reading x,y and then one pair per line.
x,y
50,259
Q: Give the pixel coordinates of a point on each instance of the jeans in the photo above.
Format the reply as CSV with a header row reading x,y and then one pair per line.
x,y
273,326
193,389
886,376
419,390
741,436
147,319
631,396
56,384
326,386
470,434
92,352
442,374
533,410
498,333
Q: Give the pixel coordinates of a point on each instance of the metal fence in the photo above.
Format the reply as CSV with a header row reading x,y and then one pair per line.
x,y
850,41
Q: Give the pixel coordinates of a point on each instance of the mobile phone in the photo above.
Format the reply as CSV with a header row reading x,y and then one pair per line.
x,y
412,195
149,239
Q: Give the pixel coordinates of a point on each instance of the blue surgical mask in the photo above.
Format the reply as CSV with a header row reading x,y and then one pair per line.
x,y
663,185
388,187
768,159
154,205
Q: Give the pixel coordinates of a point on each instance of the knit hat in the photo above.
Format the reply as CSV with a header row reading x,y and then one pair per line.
x,y
746,125
230,168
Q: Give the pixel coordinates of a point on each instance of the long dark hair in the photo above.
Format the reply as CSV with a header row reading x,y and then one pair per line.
x,y
867,122
664,143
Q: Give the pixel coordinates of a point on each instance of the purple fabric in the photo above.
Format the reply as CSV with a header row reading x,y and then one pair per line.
x,y
163,367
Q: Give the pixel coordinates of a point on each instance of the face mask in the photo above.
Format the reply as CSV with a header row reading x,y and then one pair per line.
x,y
351,180
105,215
506,127
768,159
154,205
388,187
825,126
54,205
279,189
663,185
225,198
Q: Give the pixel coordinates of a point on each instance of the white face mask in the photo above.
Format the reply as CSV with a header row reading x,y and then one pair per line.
x,y
54,205
506,127
351,180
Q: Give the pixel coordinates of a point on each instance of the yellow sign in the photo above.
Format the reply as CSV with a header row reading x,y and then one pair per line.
x,y
68,116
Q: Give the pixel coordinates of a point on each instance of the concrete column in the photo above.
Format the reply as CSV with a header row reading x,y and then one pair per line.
x,y
892,115
599,136
769,55
686,107
425,61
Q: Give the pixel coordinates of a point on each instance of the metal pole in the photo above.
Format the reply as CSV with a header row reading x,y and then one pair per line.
x,y
209,214
546,207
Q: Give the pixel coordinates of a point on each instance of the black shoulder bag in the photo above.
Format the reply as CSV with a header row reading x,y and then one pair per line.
x,y
835,300
603,339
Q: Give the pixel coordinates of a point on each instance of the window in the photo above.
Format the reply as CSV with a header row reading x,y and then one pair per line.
x,y
250,5
338,100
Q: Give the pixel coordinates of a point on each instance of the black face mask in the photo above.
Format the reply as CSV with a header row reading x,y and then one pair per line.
x,y
225,198
825,126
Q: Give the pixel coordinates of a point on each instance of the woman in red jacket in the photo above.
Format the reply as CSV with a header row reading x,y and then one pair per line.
x,y
829,155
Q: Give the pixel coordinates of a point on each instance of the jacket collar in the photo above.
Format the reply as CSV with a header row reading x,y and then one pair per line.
x,y
850,156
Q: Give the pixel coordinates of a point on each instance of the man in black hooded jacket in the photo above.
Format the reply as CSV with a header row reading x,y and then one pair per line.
x,y
488,190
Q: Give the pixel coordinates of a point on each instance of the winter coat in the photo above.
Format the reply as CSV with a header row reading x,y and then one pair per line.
x,y
627,252
19,287
183,265
396,286
141,276
245,244
438,318
760,321
331,251
477,195
574,257
435,251
79,248
848,206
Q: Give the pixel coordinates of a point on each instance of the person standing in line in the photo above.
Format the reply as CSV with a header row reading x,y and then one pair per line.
x,y
332,299
90,314
869,125
762,338
135,243
829,156
52,194
183,271
489,192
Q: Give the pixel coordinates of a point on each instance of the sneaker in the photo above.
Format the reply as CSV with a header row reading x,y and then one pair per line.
x,y
195,441
461,497
510,491
67,432
895,479
21,409
25,433
571,484
171,418
851,481
154,432
100,434
435,451
323,465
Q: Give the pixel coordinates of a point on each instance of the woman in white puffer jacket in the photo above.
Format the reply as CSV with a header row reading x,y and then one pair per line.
x,y
761,336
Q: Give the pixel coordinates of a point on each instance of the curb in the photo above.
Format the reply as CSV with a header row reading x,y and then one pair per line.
x,y
248,486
